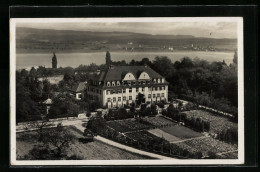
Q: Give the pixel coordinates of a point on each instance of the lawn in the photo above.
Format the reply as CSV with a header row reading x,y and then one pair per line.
x,y
166,136
217,123
89,151
181,132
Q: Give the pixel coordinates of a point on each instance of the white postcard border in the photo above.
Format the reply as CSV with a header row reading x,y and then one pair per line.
x,y
241,148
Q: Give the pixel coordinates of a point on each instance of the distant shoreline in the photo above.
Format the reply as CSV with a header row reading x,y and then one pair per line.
x,y
104,51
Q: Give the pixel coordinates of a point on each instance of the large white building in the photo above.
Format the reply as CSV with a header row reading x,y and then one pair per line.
x,y
120,85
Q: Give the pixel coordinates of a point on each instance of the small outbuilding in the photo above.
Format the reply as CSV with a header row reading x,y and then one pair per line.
x,y
78,90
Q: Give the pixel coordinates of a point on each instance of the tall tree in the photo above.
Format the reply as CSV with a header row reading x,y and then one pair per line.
x,y
108,58
235,57
54,61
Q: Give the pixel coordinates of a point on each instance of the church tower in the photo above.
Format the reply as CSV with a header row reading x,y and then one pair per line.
x,y
108,58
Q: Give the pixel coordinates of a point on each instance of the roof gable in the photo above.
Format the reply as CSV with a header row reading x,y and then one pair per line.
x,y
118,72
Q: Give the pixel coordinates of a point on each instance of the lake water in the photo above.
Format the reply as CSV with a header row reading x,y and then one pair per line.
x,y
75,59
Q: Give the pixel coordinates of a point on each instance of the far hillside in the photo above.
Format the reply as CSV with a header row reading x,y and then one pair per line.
x,y
31,40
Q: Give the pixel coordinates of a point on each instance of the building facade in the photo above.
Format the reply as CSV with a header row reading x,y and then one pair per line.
x,y
120,85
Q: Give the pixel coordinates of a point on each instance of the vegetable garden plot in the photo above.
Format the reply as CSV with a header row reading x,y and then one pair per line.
x,y
126,125
208,144
217,123
159,121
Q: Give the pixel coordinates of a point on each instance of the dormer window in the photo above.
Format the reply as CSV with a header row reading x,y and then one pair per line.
x,y
162,80
108,84
159,81
113,83
118,83
154,80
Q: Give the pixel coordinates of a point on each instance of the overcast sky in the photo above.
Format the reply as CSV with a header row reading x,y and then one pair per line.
x,y
198,29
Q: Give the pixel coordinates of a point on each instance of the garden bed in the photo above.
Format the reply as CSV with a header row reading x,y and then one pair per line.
x,y
217,123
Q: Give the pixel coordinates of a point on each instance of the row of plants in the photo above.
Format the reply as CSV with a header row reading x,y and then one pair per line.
x,y
197,124
219,106
229,135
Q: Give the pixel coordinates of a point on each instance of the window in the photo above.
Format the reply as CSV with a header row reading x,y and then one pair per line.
x,y
114,99
153,95
159,81
119,91
149,96
136,97
123,90
124,98
162,87
108,92
108,99
119,99
158,95
130,90
130,97
153,88
162,80
114,92
162,94
108,84
142,89
137,90
154,80
113,83
159,88
99,91
118,83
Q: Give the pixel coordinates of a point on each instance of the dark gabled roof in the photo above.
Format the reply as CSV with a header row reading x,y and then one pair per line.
x,y
79,87
117,73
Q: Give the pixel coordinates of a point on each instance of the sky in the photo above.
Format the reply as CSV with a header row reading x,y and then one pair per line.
x,y
197,29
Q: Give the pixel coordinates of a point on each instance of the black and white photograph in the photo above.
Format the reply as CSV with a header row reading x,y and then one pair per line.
x,y
126,91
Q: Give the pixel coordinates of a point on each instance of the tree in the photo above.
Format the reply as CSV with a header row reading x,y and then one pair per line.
x,y
235,57
96,125
54,61
59,138
108,58
153,110
63,105
33,72
163,65
140,98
